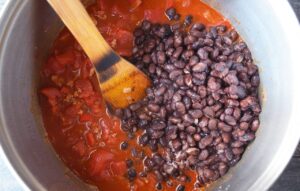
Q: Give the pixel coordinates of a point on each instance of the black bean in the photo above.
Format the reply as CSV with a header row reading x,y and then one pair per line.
x,y
255,80
180,188
146,25
240,46
193,151
144,139
131,174
189,40
230,120
196,113
227,40
180,107
200,67
237,151
179,64
174,74
153,107
188,20
176,17
209,112
188,119
178,41
203,122
127,113
209,174
187,102
202,54
246,117
255,125
223,168
193,95
208,42
180,81
158,186
170,13
186,55
159,176
144,116
158,125
176,144
191,129
143,174
157,158
174,120
206,141
247,137
119,113
129,163
161,57
149,163
234,35
169,183
175,27
212,124
224,127
198,26
169,168
156,134
226,137
203,154
237,92
160,91
213,84
124,145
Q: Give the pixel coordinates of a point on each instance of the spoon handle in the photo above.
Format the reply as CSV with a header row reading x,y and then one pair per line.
x,y
78,21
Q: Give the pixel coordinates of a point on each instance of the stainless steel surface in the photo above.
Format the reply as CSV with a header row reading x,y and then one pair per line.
x,y
270,28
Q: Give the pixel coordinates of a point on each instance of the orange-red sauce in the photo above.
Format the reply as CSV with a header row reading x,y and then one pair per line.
x,y
78,125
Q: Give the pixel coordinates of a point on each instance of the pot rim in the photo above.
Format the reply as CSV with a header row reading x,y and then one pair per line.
x,y
290,25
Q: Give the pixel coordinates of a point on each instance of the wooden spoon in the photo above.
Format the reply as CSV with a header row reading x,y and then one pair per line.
x,y
121,83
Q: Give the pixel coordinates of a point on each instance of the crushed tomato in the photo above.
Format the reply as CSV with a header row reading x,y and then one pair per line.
x,y
78,125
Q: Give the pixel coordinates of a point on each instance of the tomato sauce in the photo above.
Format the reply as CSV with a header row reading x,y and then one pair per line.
x,y
83,133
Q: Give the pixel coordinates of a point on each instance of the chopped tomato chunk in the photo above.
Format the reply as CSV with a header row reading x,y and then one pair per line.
x,y
99,162
85,118
118,168
186,3
85,87
124,42
153,15
103,5
79,148
72,111
90,139
53,67
116,10
169,3
51,93
134,4
66,58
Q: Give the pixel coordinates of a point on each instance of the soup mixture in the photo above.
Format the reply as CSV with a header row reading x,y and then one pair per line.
x,y
195,121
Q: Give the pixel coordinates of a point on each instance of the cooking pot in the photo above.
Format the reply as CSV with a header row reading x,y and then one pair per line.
x,y
27,30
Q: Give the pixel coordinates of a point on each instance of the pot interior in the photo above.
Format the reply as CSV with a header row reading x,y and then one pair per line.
x,y
31,27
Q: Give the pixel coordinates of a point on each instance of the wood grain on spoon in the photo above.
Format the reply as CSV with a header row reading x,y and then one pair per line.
x,y
121,83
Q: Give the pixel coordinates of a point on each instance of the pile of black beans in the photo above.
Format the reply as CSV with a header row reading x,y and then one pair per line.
x,y
203,107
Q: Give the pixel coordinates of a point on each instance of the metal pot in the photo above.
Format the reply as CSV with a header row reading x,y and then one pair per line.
x,y
27,30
